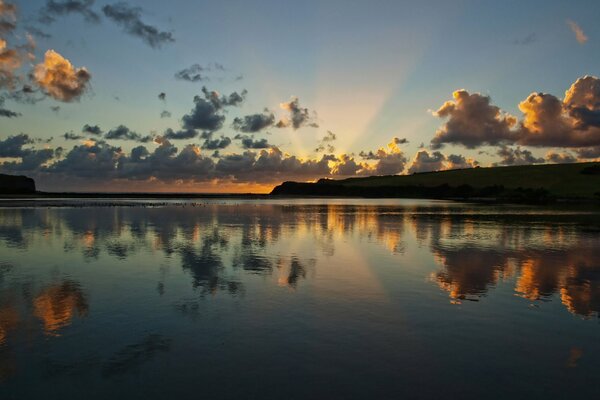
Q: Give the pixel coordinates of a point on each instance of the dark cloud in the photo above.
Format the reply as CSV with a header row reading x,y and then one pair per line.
x,y
299,116
124,133
560,158
165,114
589,152
216,144
5,112
198,73
457,161
254,122
221,101
54,9
92,129
517,156
472,122
325,143
6,27
30,159
72,136
8,10
346,165
193,73
129,19
38,32
13,145
425,162
180,135
526,40
91,160
248,142
59,79
204,116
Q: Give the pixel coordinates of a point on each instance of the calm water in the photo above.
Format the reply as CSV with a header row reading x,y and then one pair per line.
x,y
299,299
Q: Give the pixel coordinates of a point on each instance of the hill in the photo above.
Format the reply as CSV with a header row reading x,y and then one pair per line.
x,y
13,184
527,183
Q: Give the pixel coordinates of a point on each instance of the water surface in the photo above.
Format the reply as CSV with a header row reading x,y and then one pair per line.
x,y
298,299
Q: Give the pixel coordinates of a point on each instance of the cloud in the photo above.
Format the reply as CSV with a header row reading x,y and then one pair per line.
x,y
129,19
72,136
203,116
254,122
436,161
579,34
216,144
91,160
547,121
517,156
560,158
122,132
572,122
5,112
194,73
457,161
221,101
346,165
6,27
162,96
92,129
425,162
299,116
588,152
325,143
170,134
248,142
8,10
30,159
582,102
390,160
11,59
59,79
54,9
206,114
526,40
472,121
165,114
38,32
13,145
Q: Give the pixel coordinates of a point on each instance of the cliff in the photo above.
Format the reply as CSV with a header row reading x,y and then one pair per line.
x,y
13,184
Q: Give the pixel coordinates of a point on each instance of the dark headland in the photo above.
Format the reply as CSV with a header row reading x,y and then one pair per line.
x,y
13,184
529,184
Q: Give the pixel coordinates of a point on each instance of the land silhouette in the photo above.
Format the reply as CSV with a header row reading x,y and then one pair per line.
x,y
527,184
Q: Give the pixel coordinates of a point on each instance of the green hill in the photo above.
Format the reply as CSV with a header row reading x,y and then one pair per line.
x,y
575,181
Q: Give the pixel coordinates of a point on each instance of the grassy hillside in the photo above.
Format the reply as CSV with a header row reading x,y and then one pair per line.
x,y
581,180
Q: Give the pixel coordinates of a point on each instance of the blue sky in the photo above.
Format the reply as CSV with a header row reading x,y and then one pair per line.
x,y
371,70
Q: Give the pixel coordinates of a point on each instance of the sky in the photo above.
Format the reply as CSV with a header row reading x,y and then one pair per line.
x,y
238,96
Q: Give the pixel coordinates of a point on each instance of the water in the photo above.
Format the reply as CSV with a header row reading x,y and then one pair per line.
x,y
299,299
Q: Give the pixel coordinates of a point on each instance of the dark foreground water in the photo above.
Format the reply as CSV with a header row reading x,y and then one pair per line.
x,y
299,300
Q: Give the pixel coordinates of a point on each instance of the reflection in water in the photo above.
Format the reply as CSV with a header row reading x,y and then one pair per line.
x,y
56,305
134,355
293,281
213,243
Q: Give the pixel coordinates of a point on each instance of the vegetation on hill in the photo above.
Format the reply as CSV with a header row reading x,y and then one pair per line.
x,y
531,183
